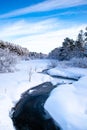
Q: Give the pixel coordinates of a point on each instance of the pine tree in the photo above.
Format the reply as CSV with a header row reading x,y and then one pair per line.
x,y
80,39
85,34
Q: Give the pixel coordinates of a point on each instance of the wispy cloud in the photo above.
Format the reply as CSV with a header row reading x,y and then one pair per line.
x,y
41,36
23,27
45,6
72,13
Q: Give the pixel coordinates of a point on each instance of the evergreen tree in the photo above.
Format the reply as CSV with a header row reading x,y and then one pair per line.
x,y
80,39
68,43
85,34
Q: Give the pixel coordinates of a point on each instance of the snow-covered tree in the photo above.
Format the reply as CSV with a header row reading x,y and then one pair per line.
x,y
68,42
7,60
85,34
14,48
80,39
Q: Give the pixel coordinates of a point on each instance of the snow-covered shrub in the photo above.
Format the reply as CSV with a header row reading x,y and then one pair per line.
x,y
7,60
78,62
52,64
21,51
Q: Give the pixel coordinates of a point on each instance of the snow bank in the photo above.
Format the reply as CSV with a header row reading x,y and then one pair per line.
x,y
64,73
69,72
67,104
5,107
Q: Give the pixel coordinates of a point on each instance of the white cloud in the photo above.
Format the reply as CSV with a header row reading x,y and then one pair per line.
x,y
22,27
45,6
73,12
42,36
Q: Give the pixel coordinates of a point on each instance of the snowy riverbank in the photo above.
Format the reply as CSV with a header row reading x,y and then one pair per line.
x,y
67,103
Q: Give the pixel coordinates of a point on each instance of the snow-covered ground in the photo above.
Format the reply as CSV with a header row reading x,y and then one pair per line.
x,y
67,103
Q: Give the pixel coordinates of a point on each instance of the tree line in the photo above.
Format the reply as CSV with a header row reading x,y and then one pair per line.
x,y
71,48
14,48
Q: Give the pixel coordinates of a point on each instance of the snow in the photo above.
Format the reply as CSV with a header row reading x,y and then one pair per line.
x,y
67,72
5,106
67,103
12,85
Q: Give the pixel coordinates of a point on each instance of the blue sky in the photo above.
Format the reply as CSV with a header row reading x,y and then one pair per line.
x,y
41,25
